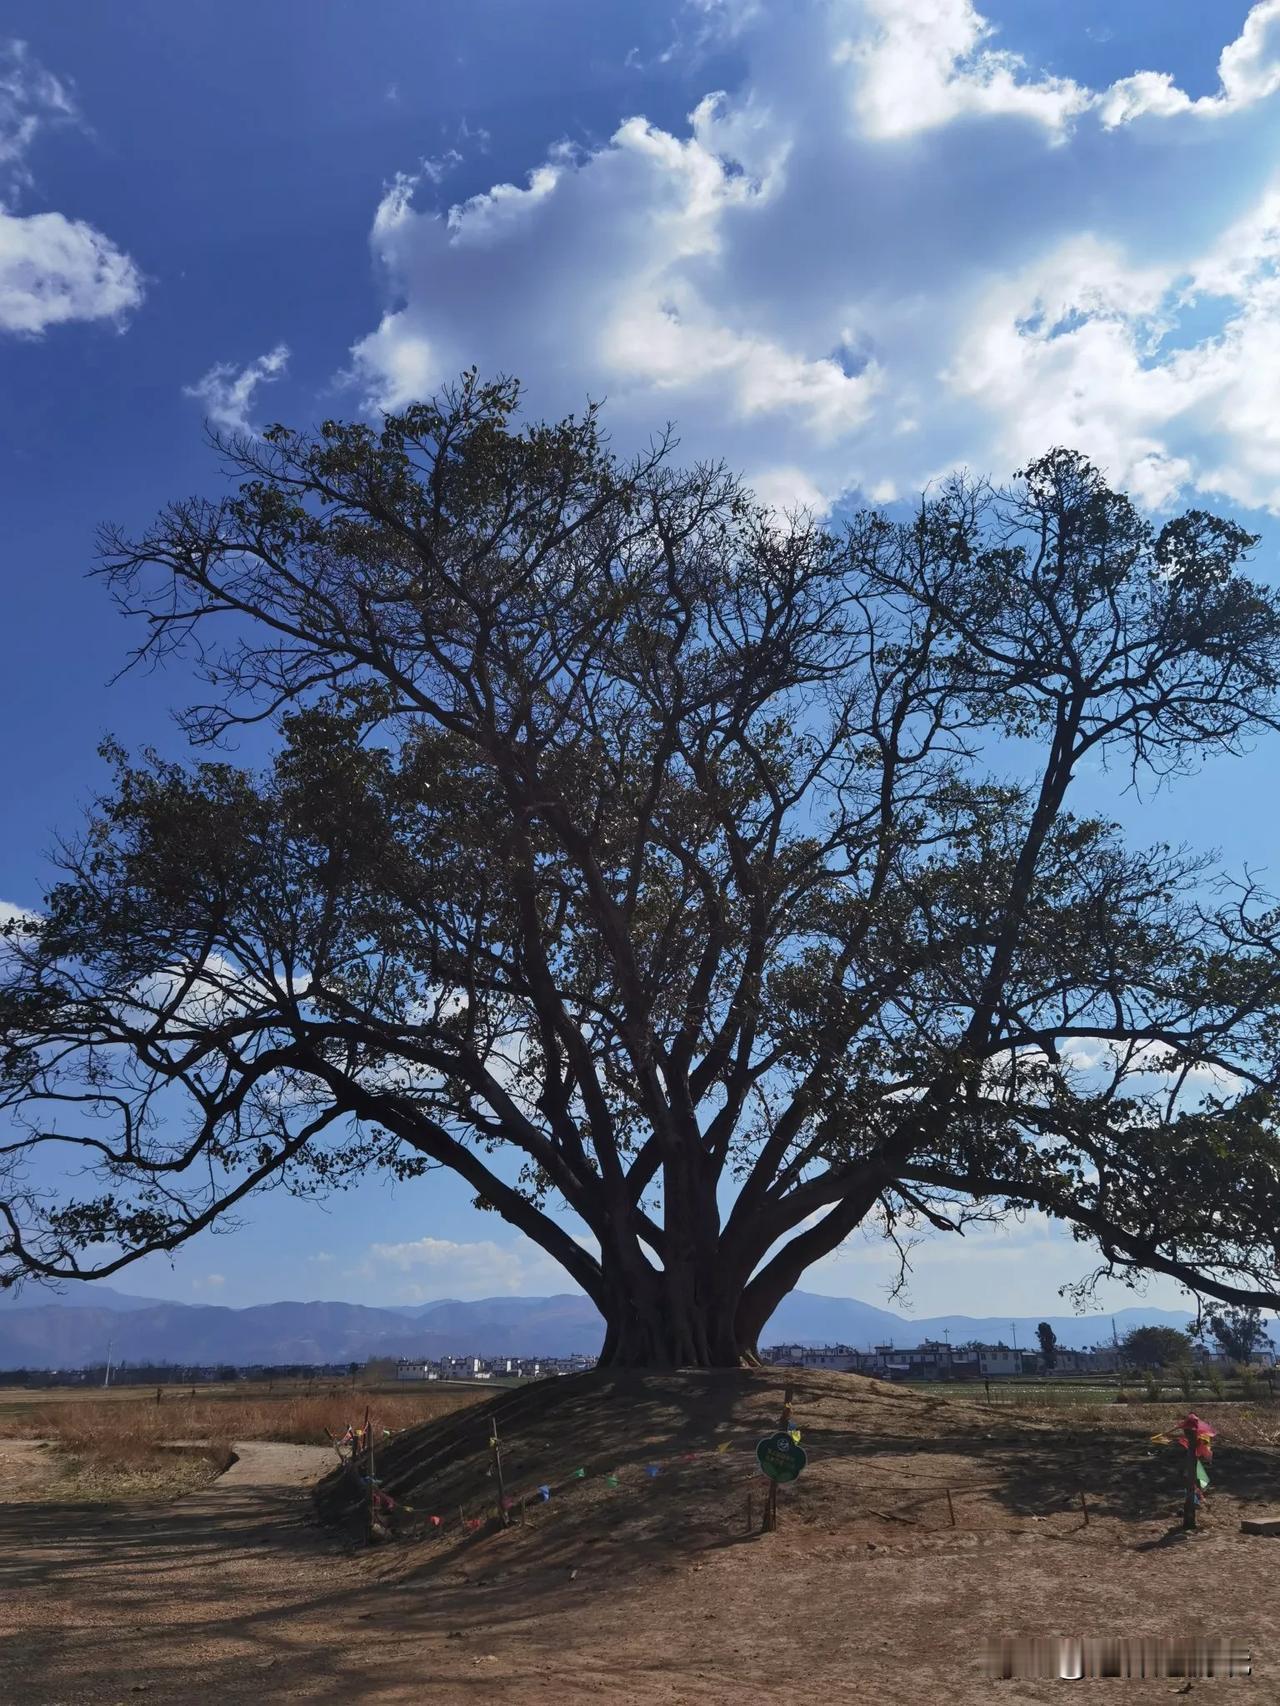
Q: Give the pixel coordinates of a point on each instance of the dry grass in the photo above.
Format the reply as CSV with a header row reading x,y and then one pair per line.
x,y
105,1424
1246,1424
112,1445
105,1471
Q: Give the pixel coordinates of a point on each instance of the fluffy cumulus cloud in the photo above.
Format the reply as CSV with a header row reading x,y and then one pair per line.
x,y
227,392
53,268
922,63
1248,71
427,1268
898,244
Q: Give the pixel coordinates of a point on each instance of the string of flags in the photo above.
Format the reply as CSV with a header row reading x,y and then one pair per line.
x,y
542,1494
357,1439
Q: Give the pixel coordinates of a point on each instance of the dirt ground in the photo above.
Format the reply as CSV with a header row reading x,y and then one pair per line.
x,y
651,1590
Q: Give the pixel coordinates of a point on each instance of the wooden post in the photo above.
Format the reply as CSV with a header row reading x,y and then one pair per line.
x,y
373,1486
771,1497
1084,1509
951,1509
1189,1499
770,1523
495,1452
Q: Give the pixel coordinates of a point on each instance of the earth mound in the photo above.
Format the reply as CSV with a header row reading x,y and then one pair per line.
x,y
632,1462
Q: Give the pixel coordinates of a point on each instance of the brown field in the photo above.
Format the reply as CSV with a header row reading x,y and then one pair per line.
x,y
96,1446
292,1412
650,1589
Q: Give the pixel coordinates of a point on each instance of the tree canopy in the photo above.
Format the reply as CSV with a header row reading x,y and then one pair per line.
x,y
1156,1347
1238,1333
630,848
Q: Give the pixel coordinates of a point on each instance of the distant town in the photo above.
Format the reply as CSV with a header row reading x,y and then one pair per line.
x,y
934,1359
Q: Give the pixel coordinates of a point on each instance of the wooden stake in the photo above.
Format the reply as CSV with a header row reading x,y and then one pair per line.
x,y
373,1487
770,1523
951,1509
1084,1508
495,1450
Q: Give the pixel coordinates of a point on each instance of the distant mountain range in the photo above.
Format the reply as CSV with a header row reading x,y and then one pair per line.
x,y
39,1329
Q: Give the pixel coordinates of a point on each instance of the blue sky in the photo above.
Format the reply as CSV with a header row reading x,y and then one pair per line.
x,y
846,244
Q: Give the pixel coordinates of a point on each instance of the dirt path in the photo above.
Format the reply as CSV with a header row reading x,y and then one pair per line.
x,y
233,1594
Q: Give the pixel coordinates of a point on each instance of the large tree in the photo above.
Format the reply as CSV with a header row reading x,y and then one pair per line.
x,y
1048,1346
1238,1333
629,848
1156,1347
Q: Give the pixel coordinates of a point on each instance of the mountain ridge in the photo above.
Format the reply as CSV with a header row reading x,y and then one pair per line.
x,y
71,1331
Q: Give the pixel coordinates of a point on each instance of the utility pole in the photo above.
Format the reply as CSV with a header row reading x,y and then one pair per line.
x,y
106,1379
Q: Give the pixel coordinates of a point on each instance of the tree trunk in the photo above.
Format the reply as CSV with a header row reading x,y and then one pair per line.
x,y
672,1328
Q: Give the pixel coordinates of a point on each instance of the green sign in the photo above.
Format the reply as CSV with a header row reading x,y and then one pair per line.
x,y
780,1458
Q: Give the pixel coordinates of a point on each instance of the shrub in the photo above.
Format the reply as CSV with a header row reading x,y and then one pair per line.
x,y
1216,1385
1186,1379
1151,1380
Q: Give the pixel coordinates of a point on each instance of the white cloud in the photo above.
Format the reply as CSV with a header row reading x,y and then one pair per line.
x,y
1068,353
1013,1267
896,247
209,1282
441,1267
53,268
227,392
31,100
924,63
1248,71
